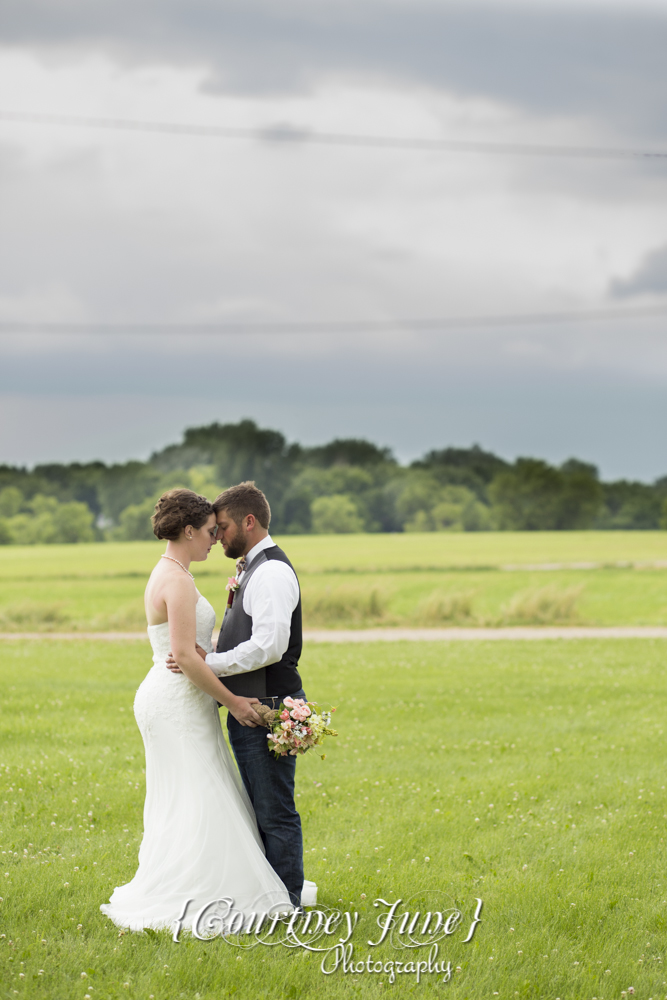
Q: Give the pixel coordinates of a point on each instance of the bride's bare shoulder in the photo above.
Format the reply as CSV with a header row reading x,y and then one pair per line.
x,y
167,585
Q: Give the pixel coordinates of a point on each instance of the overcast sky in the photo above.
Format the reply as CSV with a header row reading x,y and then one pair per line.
x,y
102,226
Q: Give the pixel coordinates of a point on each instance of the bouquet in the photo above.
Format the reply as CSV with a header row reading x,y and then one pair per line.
x,y
296,726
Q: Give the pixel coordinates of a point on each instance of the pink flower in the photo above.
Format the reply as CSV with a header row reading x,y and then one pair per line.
x,y
284,715
300,709
288,701
232,583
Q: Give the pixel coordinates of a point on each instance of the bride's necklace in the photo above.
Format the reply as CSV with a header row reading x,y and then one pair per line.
x,y
165,556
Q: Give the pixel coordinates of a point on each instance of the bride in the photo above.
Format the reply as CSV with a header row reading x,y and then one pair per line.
x,y
200,841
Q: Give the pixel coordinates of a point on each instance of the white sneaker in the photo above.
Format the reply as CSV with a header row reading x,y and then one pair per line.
x,y
309,893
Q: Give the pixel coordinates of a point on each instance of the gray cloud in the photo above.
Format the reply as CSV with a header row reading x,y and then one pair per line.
x,y
96,227
650,276
603,62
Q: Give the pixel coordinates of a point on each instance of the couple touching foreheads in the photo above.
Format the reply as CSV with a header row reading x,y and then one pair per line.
x,y
208,834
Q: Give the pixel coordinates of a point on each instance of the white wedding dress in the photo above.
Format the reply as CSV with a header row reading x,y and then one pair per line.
x,y
200,836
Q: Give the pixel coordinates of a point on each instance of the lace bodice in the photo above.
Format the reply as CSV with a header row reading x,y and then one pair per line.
x,y
164,694
159,634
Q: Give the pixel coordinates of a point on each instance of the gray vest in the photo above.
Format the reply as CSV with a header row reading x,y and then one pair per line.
x,y
276,679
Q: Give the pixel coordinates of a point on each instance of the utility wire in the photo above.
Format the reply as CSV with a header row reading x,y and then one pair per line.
x,y
300,327
291,134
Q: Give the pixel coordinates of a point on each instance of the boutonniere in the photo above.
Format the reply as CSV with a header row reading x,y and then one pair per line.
x,y
232,586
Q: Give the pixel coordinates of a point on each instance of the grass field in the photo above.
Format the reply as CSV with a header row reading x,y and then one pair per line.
x,y
529,775
353,553
365,580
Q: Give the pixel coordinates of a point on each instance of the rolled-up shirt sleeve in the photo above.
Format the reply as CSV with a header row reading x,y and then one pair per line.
x,y
270,598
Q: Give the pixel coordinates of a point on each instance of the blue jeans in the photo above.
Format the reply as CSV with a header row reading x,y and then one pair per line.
x,y
269,783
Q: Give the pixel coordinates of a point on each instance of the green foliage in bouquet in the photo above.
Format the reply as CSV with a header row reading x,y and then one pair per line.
x,y
295,727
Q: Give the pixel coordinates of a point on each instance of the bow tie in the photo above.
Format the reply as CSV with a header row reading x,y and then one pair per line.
x,y
240,566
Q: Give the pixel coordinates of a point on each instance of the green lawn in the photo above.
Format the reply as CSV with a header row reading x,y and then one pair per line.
x,y
371,553
530,775
359,580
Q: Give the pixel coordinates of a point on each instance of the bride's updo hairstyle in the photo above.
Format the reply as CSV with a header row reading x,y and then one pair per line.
x,y
176,509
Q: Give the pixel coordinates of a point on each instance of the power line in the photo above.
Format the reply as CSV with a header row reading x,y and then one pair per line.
x,y
301,327
292,134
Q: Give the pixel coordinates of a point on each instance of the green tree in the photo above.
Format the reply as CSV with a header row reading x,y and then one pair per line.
x,y
122,485
41,504
631,506
582,495
11,501
457,509
75,481
470,467
442,508
238,452
202,480
295,512
527,496
535,496
416,495
348,451
73,523
476,516
421,521
135,522
38,528
335,515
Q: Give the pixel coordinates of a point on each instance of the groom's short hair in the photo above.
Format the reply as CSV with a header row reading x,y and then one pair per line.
x,y
244,499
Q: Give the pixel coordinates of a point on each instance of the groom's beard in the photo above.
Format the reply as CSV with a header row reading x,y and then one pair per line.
x,y
236,548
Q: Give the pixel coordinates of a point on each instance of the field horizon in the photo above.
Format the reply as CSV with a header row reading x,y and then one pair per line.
x,y
379,552
365,581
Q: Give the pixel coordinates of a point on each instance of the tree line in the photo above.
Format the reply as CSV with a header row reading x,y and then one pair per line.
x,y
347,485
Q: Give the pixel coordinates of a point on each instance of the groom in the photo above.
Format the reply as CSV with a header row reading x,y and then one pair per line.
x,y
257,655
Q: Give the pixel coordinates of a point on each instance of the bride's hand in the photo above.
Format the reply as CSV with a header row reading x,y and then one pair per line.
x,y
244,713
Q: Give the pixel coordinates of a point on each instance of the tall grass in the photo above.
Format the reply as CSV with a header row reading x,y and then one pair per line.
x,y
129,617
33,617
544,606
446,609
549,605
345,605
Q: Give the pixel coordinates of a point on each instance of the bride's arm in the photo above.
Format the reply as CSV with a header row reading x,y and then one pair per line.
x,y
180,599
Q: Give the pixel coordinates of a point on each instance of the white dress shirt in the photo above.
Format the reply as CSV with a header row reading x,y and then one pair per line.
x,y
270,598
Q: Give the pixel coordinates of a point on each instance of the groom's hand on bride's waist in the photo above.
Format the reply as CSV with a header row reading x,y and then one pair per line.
x,y
173,665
